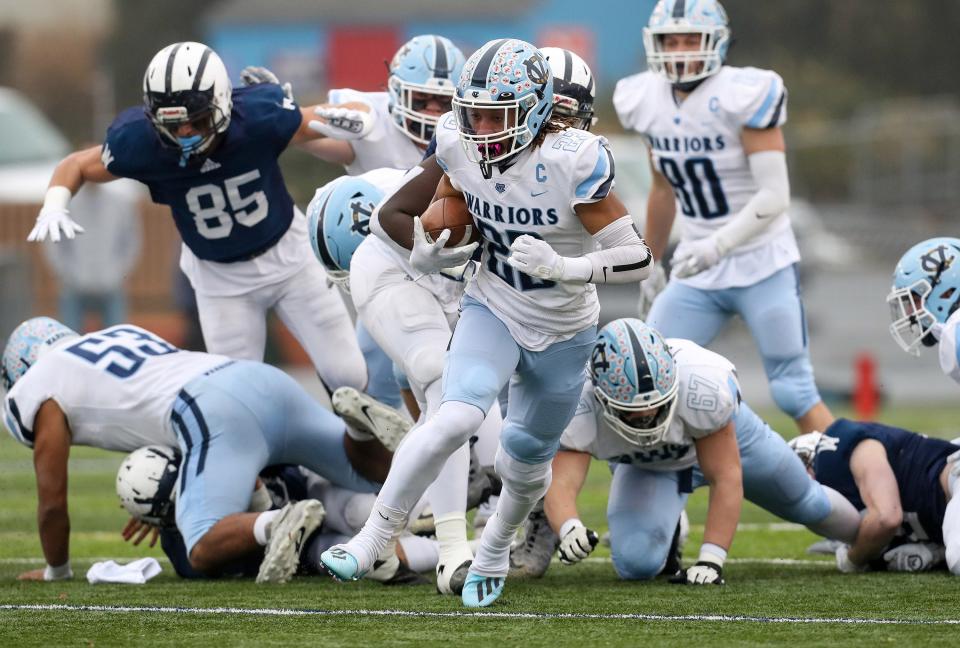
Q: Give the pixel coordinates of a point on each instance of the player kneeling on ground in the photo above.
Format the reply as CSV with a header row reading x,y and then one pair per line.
x,y
905,483
123,388
668,416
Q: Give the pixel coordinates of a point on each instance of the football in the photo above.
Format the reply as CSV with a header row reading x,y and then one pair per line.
x,y
450,213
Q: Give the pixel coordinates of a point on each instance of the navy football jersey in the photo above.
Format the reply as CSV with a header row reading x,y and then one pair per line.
x,y
234,202
917,462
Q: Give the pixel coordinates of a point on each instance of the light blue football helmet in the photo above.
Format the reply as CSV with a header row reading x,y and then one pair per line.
x,y
509,82
635,380
686,69
27,343
925,292
424,65
338,219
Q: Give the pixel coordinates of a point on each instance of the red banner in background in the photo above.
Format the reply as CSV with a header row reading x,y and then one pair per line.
x,y
357,57
571,37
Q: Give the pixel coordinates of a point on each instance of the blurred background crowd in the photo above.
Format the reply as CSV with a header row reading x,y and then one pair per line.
x,y
873,143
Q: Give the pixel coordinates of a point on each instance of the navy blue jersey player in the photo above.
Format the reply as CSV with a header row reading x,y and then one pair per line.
x,y
209,152
902,482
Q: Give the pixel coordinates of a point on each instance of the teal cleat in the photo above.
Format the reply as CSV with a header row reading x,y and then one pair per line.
x,y
481,591
341,564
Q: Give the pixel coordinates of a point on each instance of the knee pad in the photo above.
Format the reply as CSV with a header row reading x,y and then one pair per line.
x,y
527,481
639,555
792,385
520,443
453,425
424,364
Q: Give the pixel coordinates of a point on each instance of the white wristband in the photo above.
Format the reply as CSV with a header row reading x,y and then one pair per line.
x,y
58,573
57,197
713,553
572,523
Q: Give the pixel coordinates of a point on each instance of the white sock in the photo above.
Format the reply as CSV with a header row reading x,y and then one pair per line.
x,y
448,492
452,539
422,553
261,527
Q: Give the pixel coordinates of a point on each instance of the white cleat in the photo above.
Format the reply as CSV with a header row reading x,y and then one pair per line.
x,y
452,568
288,534
367,414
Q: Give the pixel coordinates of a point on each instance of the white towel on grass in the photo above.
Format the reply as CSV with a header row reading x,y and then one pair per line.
x,y
137,572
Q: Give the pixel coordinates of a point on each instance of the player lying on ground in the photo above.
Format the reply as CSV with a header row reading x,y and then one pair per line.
x,y
146,485
123,388
905,484
668,416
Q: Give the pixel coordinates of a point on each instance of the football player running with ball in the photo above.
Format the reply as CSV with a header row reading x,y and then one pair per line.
x,y
210,152
717,156
540,194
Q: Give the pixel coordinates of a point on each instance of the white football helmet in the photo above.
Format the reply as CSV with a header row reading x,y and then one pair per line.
x,y
574,90
188,83
685,69
146,484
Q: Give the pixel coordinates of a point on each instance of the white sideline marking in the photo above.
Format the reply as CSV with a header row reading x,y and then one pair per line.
x,y
723,618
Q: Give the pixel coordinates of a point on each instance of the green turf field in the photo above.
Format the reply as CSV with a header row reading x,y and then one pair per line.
x,y
585,605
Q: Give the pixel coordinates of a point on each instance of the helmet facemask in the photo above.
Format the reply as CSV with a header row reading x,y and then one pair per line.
x,y
170,112
911,323
645,421
486,148
685,69
412,100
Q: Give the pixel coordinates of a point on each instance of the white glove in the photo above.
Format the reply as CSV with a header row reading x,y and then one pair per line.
x,y
254,74
915,557
536,258
649,289
576,542
705,573
342,123
49,223
844,563
429,258
695,257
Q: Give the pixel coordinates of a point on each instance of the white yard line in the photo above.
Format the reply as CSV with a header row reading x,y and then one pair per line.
x,y
284,612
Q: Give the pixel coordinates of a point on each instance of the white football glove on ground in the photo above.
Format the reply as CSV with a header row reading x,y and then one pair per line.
x,y
705,573
428,258
50,222
844,564
915,557
576,542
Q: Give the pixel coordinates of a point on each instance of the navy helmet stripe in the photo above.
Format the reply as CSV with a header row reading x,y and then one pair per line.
x,y
168,79
441,69
679,9
201,68
479,79
567,66
644,373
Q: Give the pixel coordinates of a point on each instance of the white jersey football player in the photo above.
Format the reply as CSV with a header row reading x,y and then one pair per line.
x,y
123,387
717,156
540,195
925,301
412,322
210,152
668,416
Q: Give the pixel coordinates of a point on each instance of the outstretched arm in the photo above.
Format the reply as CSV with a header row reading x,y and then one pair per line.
x,y
879,491
50,453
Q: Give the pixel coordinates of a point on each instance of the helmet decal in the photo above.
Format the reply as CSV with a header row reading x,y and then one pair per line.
x,y
27,343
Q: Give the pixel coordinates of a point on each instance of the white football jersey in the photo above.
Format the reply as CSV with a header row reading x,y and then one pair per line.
x,y
386,145
696,145
446,289
116,388
707,400
947,348
536,195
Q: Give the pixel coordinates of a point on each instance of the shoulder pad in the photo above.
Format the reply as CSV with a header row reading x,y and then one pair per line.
x,y
13,420
129,144
630,100
753,98
709,394
592,169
